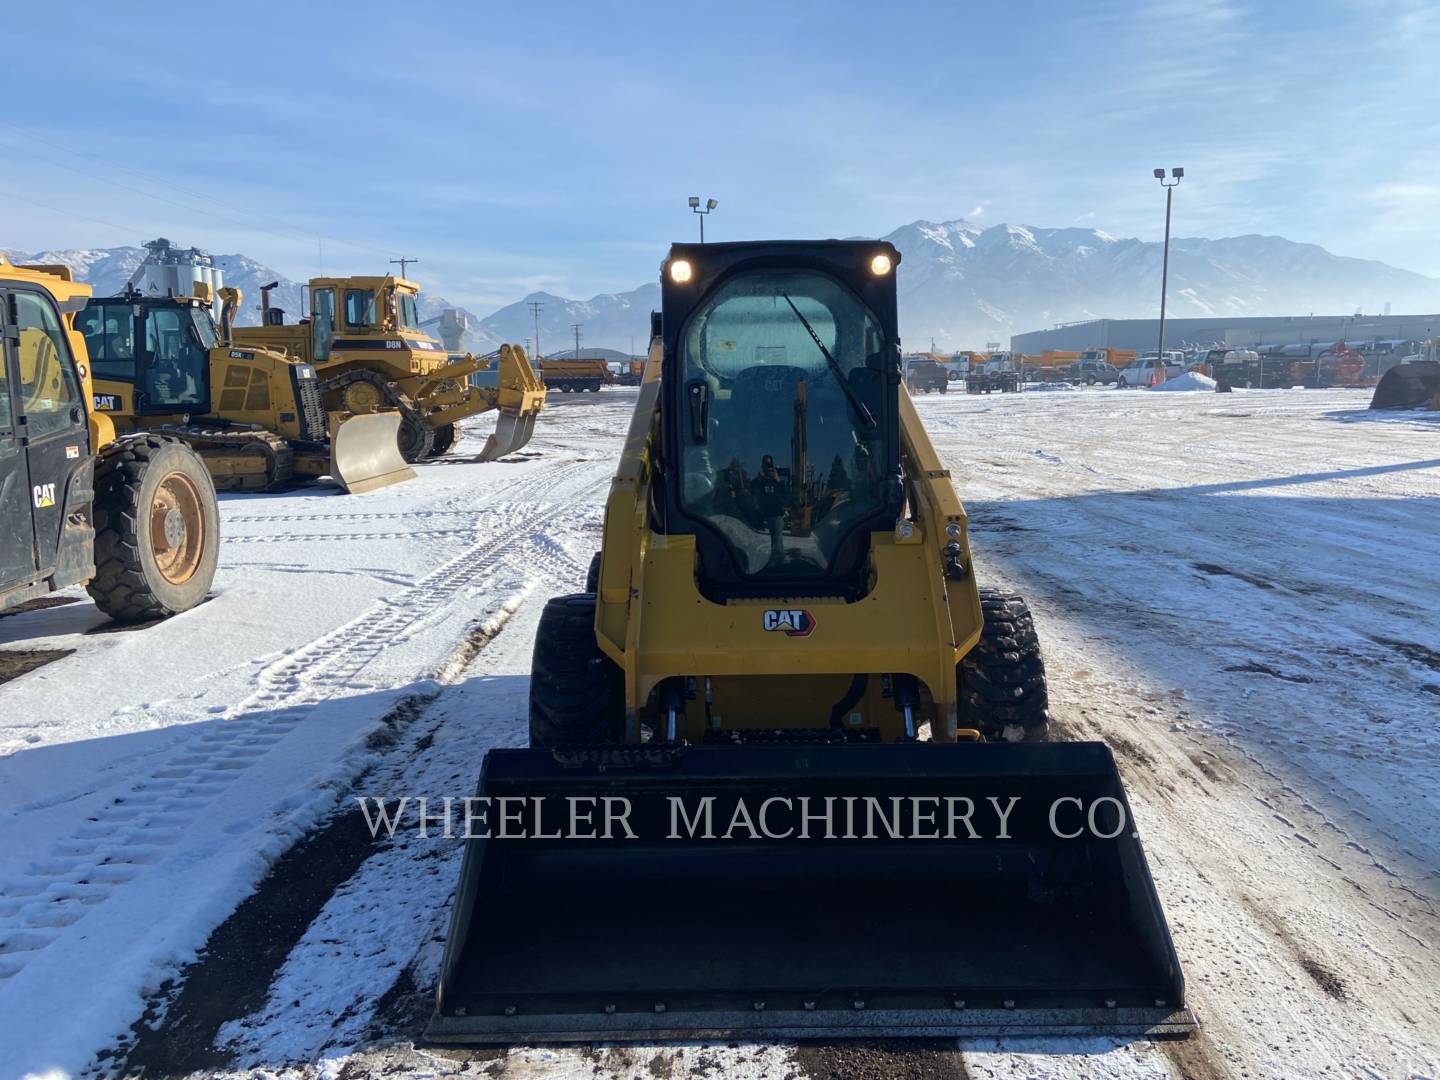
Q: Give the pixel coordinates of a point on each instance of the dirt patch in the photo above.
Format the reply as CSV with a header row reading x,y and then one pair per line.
x,y
175,1036
17,662
234,971
1420,654
909,1060
1221,571
660,1067
1194,1058
39,604
1265,669
1324,978
1129,748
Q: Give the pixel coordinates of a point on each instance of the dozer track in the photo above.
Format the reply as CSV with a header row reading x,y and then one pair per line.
x,y
239,460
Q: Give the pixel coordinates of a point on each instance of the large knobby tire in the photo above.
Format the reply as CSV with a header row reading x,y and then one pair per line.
x,y
1002,682
157,529
444,438
416,439
575,689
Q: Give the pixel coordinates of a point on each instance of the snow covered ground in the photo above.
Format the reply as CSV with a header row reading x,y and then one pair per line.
x,y
1237,592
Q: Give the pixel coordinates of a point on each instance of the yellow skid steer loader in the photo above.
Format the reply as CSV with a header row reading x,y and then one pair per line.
x,y
787,774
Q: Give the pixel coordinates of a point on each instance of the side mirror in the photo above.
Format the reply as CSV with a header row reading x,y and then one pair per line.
x,y
697,395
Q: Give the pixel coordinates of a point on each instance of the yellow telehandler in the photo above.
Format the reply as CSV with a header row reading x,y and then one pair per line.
x,y
254,415
133,518
787,774
363,336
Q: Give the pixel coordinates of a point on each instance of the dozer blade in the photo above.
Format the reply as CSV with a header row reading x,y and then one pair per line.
x,y
879,916
1408,386
364,454
510,434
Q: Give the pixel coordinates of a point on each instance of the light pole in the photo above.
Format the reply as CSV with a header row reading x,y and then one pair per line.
x,y
710,205
1169,187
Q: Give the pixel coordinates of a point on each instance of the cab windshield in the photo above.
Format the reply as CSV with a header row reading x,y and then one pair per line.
x,y
783,425
409,310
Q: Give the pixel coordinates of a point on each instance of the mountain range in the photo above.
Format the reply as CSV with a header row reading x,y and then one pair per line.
x,y
961,284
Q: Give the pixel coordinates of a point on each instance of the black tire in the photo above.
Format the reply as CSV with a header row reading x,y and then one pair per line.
x,y
443,440
1002,682
592,575
1089,380
1120,383
142,573
416,439
575,689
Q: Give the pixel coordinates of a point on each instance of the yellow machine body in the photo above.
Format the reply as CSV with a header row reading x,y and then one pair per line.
x,y
653,621
363,336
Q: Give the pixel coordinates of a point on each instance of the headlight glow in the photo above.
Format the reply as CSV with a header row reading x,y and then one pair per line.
x,y
681,271
880,265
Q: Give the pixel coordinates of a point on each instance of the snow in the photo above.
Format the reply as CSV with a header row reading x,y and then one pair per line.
x,y
1187,380
1235,591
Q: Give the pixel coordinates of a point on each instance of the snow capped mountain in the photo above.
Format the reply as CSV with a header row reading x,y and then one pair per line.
x,y
960,283
108,269
610,320
963,285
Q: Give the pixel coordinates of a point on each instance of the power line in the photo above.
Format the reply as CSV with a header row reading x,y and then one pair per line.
x,y
130,229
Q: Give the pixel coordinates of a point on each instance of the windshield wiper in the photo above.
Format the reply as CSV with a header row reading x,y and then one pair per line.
x,y
861,412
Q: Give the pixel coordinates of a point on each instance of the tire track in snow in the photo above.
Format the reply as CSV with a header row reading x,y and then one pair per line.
x,y
140,828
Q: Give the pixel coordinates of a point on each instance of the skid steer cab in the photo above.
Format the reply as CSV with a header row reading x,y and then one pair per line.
x,y
133,518
816,741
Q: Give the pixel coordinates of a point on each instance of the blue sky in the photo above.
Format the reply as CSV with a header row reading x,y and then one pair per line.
x,y
514,147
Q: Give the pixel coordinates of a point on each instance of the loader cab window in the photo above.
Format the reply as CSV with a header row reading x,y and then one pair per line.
x,y
204,327
176,361
359,307
109,331
322,323
783,419
49,390
409,310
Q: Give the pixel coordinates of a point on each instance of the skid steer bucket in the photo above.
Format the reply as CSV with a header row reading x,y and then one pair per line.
x,y
854,903
364,454
1408,386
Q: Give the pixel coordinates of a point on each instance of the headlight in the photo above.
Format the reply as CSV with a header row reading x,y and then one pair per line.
x,y
880,265
681,271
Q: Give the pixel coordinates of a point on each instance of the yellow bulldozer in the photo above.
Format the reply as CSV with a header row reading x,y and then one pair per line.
x,y
253,414
363,336
788,773
133,518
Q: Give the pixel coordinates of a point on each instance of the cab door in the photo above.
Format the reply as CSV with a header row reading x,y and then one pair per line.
x,y
51,417
17,538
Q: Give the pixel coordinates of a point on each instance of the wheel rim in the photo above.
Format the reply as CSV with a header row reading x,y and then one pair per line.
x,y
177,528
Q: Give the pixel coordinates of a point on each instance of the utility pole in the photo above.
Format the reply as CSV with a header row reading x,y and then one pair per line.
x,y
1176,174
576,328
535,308
404,262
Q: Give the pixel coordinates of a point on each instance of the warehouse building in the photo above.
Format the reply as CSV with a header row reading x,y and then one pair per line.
x,y
1236,330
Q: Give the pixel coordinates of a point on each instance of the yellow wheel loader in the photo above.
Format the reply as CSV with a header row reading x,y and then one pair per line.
x,y
133,518
787,774
253,414
363,336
